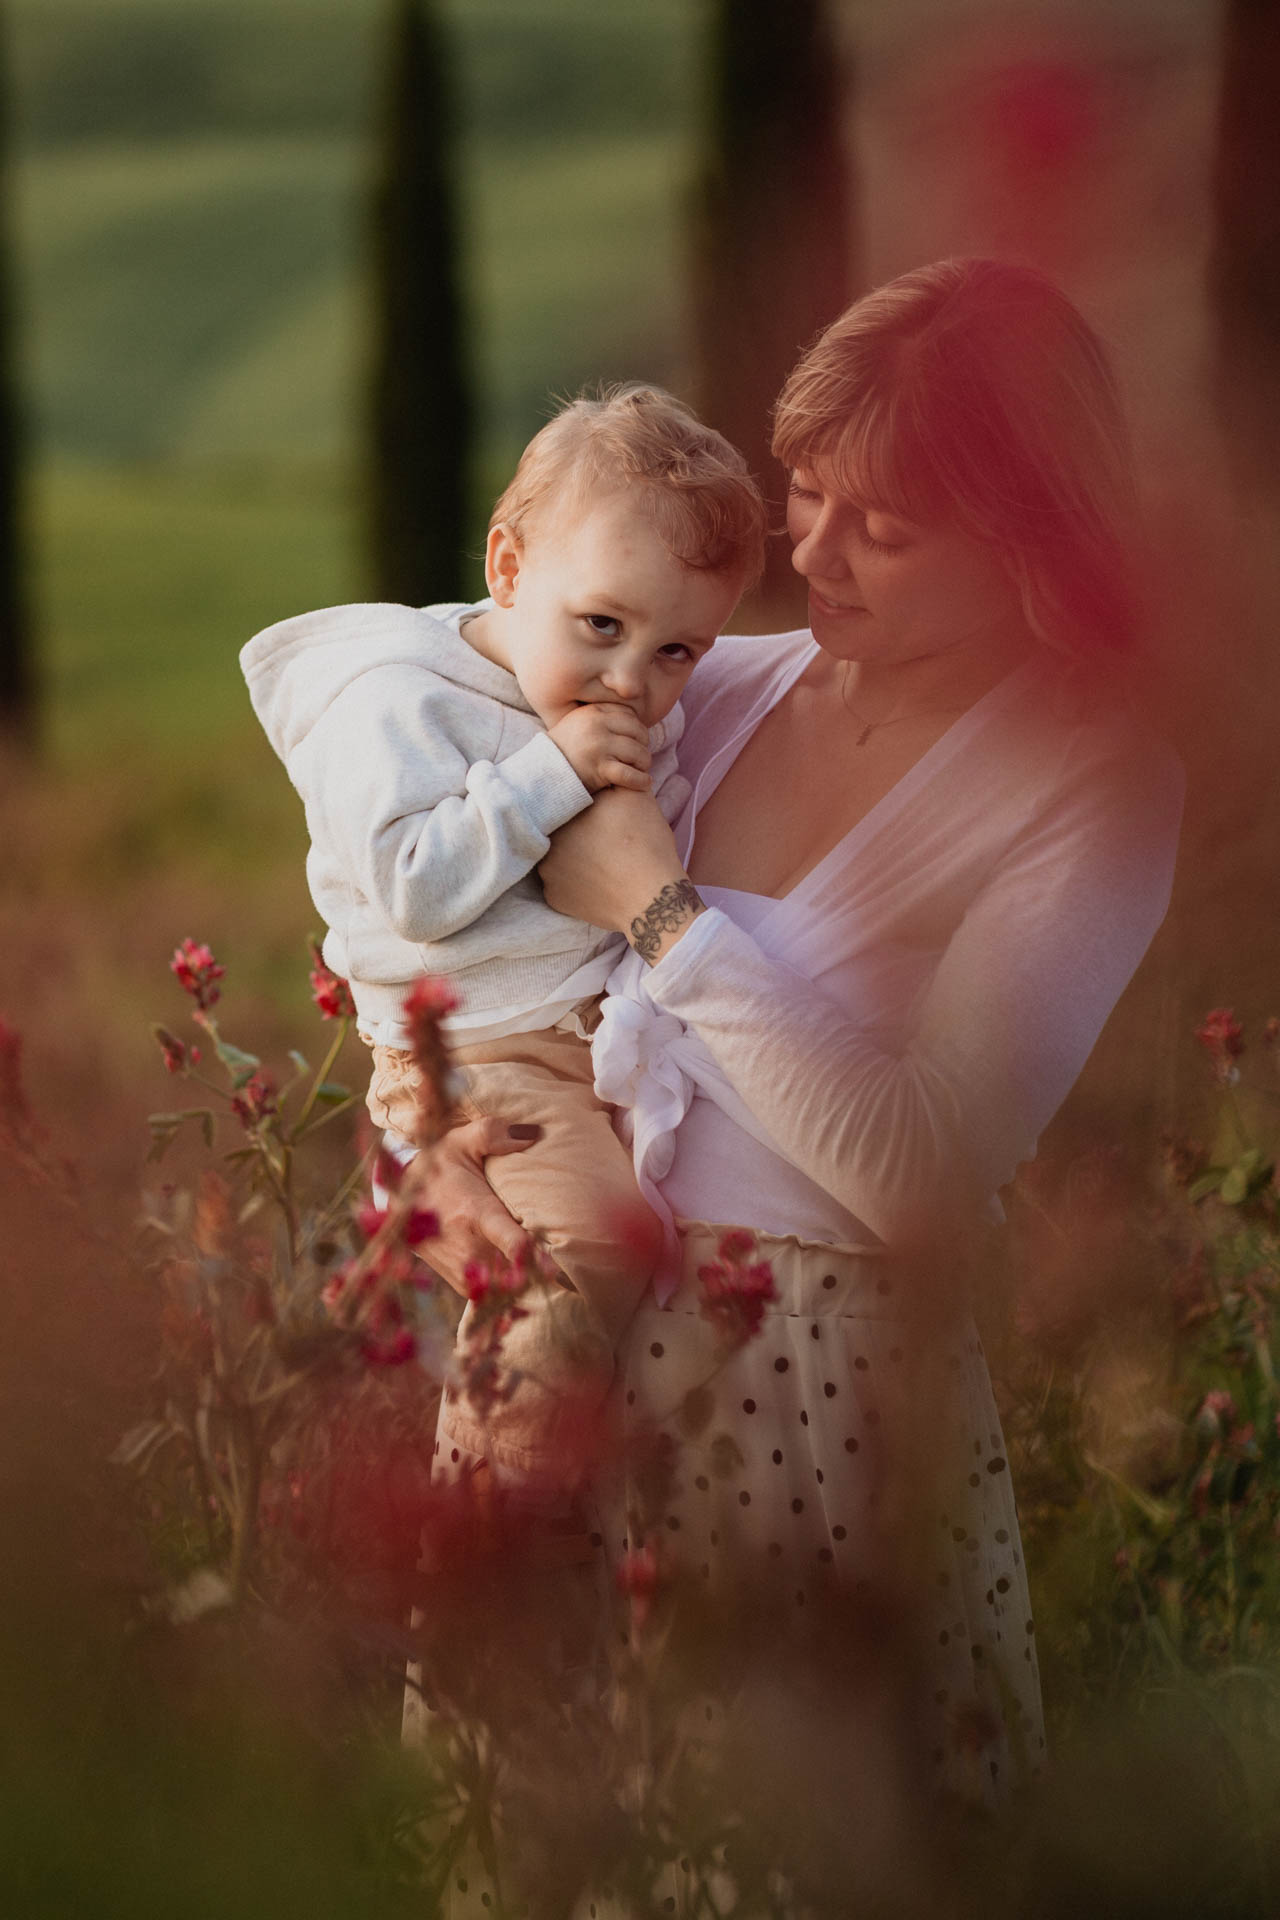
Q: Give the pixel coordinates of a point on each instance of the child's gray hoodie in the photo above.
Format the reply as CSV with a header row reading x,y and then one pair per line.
x,y
431,791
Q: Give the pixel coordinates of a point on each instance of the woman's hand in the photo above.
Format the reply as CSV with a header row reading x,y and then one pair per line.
x,y
616,866
450,1179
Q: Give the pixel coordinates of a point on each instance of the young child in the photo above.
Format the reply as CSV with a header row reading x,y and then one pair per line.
x,y
437,750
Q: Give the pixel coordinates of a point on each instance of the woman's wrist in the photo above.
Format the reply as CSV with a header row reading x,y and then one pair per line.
x,y
666,918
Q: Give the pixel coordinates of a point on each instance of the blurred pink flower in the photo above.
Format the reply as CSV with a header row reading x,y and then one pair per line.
x,y
639,1577
1222,1037
197,973
255,1102
735,1294
328,989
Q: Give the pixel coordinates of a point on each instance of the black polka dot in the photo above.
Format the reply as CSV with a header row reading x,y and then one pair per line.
x,y
631,1396
1002,1585
829,1388
797,1506
991,1598
437,1446
657,1349
851,1446
974,1481
820,1476
815,1332
781,1364
454,1455
804,1418
976,1652
860,1363
597,1539
839,1533
744,1498
777,1456
669,1904
996,1466
944,1638
673,1522
702,1483
1001,1535
828,1281
748,1406
462,1886
1031,1626
957,1533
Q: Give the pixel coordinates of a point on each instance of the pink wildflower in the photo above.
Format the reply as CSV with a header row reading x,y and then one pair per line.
x,y
329,990
255,1102
178,1056
1222,1037
395,1349
639,1577
1217,1410
735,1294
198,973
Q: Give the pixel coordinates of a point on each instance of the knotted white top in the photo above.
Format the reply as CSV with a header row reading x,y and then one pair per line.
x,y
890,1037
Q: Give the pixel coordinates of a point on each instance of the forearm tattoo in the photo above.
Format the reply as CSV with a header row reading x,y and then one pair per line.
x,y
679,901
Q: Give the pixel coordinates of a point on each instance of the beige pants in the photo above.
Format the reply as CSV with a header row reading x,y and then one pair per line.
x,y
575,1189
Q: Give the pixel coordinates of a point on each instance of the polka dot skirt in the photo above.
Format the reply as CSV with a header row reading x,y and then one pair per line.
x,y
853,1438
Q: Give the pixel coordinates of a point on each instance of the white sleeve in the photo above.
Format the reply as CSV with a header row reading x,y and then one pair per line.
x,y
431,839
905,1141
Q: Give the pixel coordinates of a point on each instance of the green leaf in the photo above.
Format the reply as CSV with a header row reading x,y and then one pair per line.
x,y
136,1447
696,1410
331,1093
1235,1185
240,1065
301,1064
726,1456
1208,1182
206,1127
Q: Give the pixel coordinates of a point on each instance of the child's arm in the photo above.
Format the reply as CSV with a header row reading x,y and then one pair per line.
x,y
431,839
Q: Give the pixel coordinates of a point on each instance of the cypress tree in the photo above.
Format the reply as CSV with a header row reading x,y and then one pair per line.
x,y
420,400
772,222
17,666
1244,271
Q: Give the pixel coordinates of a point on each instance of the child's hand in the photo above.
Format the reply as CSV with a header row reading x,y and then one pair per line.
x,y
606,745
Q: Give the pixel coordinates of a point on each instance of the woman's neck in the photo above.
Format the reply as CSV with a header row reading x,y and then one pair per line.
x,y
950,680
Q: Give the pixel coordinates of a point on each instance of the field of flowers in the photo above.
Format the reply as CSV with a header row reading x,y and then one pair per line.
x,y
223,1369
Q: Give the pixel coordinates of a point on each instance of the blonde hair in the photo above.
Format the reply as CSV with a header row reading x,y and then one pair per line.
x,y
691,484
973,392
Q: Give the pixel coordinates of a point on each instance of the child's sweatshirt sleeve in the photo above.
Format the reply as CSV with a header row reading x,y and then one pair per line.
x,y
431,836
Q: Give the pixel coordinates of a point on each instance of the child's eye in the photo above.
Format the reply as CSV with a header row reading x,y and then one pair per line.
x,y
676,651
604,623
798,491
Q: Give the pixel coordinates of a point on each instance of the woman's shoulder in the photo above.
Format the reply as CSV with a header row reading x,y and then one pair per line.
x,y
1095,739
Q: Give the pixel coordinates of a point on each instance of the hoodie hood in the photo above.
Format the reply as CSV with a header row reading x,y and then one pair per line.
x,y
297,668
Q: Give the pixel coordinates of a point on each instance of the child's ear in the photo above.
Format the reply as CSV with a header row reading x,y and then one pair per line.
x,y
502,556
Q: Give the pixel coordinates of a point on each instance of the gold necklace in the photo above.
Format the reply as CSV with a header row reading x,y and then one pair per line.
x,y
890,719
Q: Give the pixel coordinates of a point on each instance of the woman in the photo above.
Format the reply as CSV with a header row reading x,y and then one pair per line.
x,y
926,848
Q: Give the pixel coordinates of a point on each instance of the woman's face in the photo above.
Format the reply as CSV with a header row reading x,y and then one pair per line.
x,y
884,589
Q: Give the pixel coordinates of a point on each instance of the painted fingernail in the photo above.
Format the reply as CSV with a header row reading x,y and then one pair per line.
x,y
525,1131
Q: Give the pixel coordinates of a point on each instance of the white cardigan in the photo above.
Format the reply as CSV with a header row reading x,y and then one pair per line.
x,y
903,1024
